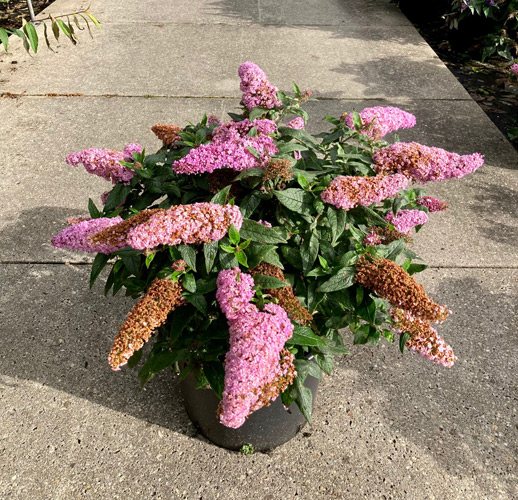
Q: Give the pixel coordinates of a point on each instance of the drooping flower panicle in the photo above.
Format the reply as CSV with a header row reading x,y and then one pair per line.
x,y
405,220
390,281
297,123
257,90
424,339
150,312
168,133
257,369
422,163
378,121
78,236
349,191
432,204
105,163
384,235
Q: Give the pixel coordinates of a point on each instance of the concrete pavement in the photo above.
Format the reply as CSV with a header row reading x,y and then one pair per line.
x,y
386,426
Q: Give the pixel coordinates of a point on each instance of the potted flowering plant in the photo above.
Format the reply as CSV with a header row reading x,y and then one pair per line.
x,y
251,244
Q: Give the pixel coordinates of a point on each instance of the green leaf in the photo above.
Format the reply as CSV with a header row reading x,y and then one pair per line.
x,y
156,363
303,396
296,200
65,30
30,31
181,318
241,258
210,250
228,248
250,172
257,113
205,285
325,362
300,135
228,260
269,282
303,335
254,152
292,255
307,368
416,268
92,209
117,196
149,259
215,374
233,235
403,339
189,255
189,282
221,197
98,265
289,147
46,36
94,20
257,232
198,301
343,279
132,263
4,38
329,138
367,334
55,27
309,252
249,204
135,358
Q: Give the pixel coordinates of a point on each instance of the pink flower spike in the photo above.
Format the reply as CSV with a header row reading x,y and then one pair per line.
x,y
296,123
378,121
257,90
350,191
406,219
432,204
77,236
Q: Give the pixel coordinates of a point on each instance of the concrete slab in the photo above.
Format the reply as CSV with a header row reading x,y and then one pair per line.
x,y
385,425
479,230
354,62
289,12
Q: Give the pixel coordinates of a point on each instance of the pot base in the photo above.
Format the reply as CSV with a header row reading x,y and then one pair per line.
x,y
264,429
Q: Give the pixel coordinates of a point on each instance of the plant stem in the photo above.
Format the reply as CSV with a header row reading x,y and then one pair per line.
x,y
31,11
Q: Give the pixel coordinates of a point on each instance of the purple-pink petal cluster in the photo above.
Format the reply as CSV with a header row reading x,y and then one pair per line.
x,y
372,239
514,68
424,163
187,224
378,121
406,219
257,90
350,191
253,362
296,123
228,148
106,163
77,236
432,204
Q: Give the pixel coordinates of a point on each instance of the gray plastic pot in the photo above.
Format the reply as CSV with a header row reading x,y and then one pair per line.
x,y
264,429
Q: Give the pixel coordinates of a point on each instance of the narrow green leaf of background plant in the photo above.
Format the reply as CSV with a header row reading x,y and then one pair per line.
x,y
4,38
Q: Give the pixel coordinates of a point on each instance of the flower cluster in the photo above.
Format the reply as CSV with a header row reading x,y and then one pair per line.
x,y
378,121
424,339
145,317
514,68
168,133
296,123
422,163
257,90
405,220
384,235
348,191
78,235
196,223
229,148
257,369
391,282
106,163
432,204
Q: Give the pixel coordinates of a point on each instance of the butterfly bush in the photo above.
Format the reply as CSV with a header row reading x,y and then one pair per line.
x,y
256,251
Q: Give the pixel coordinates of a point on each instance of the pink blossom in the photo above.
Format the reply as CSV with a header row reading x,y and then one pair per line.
x,y
235,291
77,236
252,364
372,239
378,121
264,223
213,119
406,219
106,163
514,68
432,204
233,131
349,191
296,123
187,224
257,90
423,163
